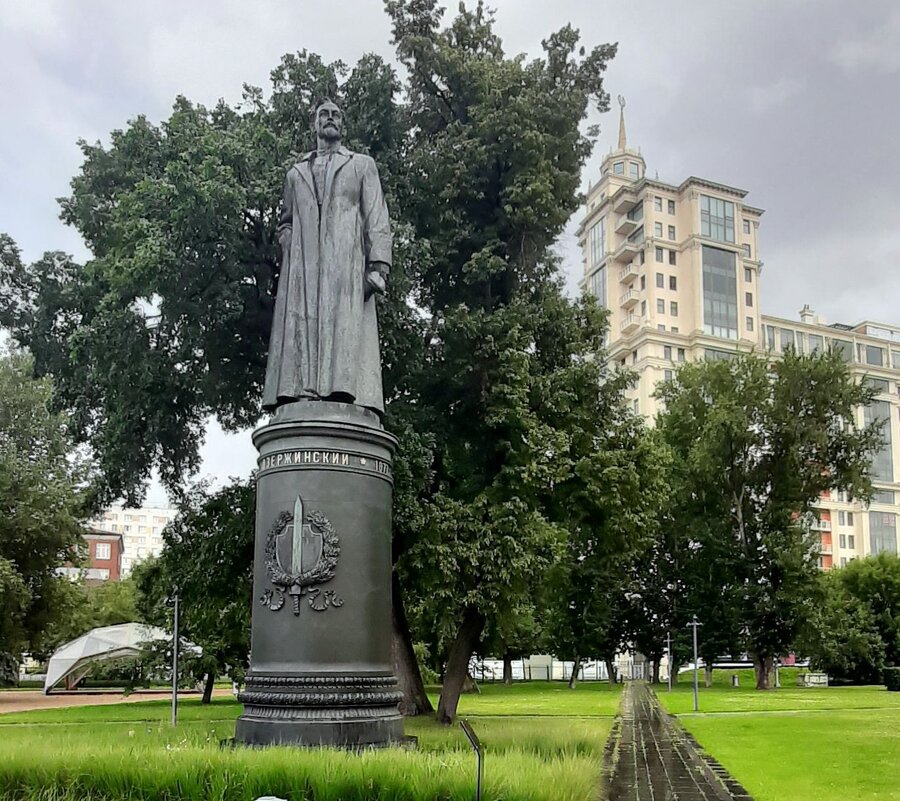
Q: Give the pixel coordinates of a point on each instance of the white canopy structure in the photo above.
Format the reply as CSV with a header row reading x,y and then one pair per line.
x,y
99,645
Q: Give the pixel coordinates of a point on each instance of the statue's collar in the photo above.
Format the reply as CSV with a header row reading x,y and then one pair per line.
x,y
312,153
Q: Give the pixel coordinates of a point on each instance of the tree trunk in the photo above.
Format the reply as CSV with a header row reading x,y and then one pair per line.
x,y
507,669
610,671
406,666
208,687
470,685
707,675
573,679
458,663
762,664
654,671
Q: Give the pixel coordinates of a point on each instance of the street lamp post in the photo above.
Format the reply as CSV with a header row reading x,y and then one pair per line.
x,y
694,624
669,660
175,665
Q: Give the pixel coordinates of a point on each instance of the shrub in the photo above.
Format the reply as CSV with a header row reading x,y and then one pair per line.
x,y
892,678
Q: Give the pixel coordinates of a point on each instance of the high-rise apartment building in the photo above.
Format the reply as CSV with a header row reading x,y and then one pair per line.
x,y
678,267
141,530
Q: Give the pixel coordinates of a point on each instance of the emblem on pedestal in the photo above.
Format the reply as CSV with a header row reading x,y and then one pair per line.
x,y
301,553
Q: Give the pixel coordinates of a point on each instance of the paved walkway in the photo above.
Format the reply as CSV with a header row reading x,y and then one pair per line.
x,y
653,759
27,700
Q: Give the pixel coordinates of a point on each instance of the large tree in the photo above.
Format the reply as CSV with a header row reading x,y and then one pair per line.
x,y
42,480
757,443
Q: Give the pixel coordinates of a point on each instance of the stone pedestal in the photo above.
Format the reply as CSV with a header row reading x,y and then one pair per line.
x,y
320,665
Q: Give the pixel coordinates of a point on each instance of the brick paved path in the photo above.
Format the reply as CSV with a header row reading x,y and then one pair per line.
x,y
654,760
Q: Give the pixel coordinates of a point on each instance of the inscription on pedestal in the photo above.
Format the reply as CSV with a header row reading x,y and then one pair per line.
x,y
321,458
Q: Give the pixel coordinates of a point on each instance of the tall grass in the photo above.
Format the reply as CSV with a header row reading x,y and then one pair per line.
x,y
531,759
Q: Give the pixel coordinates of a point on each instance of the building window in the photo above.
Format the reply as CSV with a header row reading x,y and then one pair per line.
x,y
849,518
634,357
660,280
672,232
748,298
657,203
747,251
681,355
674,329
882,532
659,254
660,306
673,283
748,275
851,541
843,347
634,170
637,213
102,550
661,327
672,258
881,385
641,258
874,356
842,520
657,229
843,540
671,207
787,339
643,308
749,323
815,342
843,561
619,168
597,286
668,375
746,226
636,406
637,236
598,242
883,496
716,219
883,461
714,355
673,308
667,352
720,311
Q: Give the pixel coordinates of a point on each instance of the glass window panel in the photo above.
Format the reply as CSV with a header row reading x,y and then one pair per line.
x,y
843,347
816,342
598,242
597,286
882,532
716,218
619,168
874,356
720,307
883,460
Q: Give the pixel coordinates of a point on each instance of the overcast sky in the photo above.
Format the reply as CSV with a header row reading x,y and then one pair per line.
x,y
797,102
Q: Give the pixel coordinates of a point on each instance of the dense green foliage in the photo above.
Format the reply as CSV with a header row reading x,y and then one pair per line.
x,y
755,445
208,562
855,629
42,481
892,678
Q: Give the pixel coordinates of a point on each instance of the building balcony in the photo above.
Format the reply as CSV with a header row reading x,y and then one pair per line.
x,y
825,550
821,525
628,272
627,251
630,323
627,225
629,299
625,200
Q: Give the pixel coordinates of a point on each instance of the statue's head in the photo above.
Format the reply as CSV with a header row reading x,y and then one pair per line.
x,y
329,121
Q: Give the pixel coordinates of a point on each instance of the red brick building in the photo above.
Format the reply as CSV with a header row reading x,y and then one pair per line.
x,y
104,558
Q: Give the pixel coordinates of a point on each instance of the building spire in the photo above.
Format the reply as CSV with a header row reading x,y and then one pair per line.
x,y
622,141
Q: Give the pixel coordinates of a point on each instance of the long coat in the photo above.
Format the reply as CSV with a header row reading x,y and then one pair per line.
x,y
324,339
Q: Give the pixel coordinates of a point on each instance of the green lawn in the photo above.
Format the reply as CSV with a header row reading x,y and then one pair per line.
x,y
838,756
129,751
828,744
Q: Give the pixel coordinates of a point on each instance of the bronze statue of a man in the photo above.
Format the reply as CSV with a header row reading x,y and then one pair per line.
x,y
335,242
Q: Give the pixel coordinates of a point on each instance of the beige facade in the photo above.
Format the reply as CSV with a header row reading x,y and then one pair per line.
x,y
141,530
678,268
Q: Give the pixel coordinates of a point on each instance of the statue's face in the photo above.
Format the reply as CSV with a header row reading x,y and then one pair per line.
x,y
329,122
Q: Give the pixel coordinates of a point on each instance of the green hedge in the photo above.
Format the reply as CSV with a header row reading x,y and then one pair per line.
x,y
892,678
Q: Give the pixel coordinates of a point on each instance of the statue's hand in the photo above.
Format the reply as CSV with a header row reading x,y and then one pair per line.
x,y
375,283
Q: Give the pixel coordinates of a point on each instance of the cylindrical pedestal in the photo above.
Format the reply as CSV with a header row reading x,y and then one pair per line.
x,y
320,658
